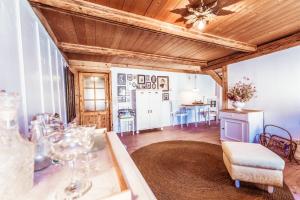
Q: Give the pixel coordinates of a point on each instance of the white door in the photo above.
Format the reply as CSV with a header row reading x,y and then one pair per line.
x,y
142,110
234,130
155,109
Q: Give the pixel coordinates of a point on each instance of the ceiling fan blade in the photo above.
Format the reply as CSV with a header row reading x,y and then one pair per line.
x,y
191,21
190,17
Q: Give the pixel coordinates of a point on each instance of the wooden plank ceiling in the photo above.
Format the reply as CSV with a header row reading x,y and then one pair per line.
x,y
251,24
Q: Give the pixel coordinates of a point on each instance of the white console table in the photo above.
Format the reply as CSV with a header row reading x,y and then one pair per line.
x,y
242,126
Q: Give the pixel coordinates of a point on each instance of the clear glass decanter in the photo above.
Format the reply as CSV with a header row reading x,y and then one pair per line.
x,y
9,133
16,154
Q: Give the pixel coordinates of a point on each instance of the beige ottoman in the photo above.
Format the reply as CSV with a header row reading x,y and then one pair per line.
x,y
254,163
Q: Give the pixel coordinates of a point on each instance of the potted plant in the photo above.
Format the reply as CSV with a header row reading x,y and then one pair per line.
x,y
240,93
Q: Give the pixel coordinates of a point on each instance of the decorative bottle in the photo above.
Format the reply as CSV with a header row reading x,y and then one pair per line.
x,y
16,154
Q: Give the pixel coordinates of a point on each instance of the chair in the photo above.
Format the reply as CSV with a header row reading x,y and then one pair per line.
x,y
213,109
181,114
211,112
126,117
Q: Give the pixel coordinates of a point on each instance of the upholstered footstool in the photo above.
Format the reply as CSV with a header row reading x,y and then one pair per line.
x,y
254,163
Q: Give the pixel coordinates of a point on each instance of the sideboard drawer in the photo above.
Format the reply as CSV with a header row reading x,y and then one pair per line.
x,y
237,116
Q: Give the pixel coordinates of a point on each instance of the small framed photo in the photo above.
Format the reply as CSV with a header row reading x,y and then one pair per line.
x,y
141,79
121,99
121,90
163,83
134,84
148,85
129,77
165,96
153,86
147,78
153,79
121,79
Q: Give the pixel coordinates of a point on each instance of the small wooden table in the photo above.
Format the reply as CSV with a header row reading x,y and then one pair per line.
x,y
197,107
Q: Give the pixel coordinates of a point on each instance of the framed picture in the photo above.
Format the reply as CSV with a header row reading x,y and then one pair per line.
x,y
163,83
121,99
165,96
121,90
134,77
134,84
129,77
147,78
153,79
121,79
153,86
148,85
141,79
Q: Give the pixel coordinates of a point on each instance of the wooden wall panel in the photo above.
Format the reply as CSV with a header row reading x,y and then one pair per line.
x,y
70,95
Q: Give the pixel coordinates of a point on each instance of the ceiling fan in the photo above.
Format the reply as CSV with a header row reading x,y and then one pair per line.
x,y
200,13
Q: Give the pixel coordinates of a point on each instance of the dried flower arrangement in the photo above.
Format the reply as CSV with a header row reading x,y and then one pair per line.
x,y
242,91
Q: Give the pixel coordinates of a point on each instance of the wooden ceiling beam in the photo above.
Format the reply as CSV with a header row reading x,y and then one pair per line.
x,y
103,13
277,45
215,76
95,50
91,66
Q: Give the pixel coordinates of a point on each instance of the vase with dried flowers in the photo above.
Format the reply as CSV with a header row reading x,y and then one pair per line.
x,y
241,92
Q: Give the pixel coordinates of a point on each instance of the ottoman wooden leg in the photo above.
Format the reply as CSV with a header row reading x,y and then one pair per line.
x,y
237,183
270,189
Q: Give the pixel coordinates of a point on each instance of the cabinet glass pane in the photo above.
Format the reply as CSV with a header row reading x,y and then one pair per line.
x,y
89,106
100,105
89,94
100,94
88,82
99,82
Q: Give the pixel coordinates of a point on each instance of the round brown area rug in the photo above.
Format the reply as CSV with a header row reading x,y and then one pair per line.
x,y
187,170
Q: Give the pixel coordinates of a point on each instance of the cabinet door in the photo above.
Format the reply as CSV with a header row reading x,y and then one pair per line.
x,y
234,130
142,110
155,108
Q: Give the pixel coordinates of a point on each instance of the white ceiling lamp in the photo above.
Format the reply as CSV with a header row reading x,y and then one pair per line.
x,y
195,89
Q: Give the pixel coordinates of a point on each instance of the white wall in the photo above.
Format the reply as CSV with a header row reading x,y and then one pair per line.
x,y
30,63
277,78
181,90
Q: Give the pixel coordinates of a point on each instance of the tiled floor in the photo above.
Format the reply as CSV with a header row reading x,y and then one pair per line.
x,y
202,133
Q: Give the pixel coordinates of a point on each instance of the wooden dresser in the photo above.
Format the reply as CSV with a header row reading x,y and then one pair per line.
x,y
241,126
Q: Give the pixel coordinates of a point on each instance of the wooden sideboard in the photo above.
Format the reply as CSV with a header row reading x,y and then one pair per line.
x,y
242,126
